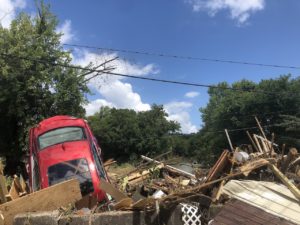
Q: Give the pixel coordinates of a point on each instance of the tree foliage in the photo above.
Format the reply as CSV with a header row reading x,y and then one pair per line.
x,y
31,87
125,134
276,103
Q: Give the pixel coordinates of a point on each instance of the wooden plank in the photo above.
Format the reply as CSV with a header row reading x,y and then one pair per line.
x,y
1,219
206,185
260,128
13,192
125,203
148,162
138,180
183,173
48,199
219,191
252,141
111,190
23,184
291,156
257,143
248,167
88,201
219,166
142,203
3,189
285,181
229,140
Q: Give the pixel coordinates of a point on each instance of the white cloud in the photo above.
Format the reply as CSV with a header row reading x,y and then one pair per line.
x,y
8,9
178,111
115,91
121,95
191,94
240,10
66,30
94,106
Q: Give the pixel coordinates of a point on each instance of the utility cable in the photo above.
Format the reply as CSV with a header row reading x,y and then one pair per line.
x,y
183,57
143,78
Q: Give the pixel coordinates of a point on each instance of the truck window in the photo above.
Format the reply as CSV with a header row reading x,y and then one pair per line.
x,y
36,185
67,170
60,135
99,165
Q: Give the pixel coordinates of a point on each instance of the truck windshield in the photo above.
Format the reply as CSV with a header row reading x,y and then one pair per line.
x,y
77,168
60,135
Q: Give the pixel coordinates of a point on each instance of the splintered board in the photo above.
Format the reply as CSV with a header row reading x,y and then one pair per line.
x,y
51,198
111,190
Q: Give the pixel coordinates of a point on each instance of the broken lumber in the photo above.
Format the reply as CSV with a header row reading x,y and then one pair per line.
x,y
142,203
48,199
148,162
219,166
250,166
109,162
257,143
268,147
252,141
291,156
183,173
125,203
3,189
229,140
111,190
203,186
285,181
294,163
14,192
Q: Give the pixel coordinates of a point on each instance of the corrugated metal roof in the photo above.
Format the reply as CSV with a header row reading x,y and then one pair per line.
x,y
268,196
237,212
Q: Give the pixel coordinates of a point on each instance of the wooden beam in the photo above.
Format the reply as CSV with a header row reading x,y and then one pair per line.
x,y
229,140
13,192
252,141
3,189
48,199
291,156
183,173
263,133
257,143
249,166
125,203
260,128
285,181
148,162
219,167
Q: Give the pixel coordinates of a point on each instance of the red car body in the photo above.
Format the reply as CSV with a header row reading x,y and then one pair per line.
x,y
61,148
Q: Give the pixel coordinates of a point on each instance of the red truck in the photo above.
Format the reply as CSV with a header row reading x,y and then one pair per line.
x,y
62,148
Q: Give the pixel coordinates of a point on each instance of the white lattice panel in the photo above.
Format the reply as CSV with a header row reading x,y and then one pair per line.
x,y
190,214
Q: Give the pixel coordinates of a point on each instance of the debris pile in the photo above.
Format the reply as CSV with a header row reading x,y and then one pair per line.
x,y
262,162
250,184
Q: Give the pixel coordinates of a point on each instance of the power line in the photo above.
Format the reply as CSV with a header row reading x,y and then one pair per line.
x,y
143,78
183,57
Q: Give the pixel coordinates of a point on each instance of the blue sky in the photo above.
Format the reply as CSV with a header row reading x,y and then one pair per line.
x,y
261,31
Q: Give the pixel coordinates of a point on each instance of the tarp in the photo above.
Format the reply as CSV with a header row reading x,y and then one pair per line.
x,y
268,196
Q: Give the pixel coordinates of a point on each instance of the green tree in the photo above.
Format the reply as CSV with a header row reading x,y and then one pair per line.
x,y
291,126
125,134
31,87
269,100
